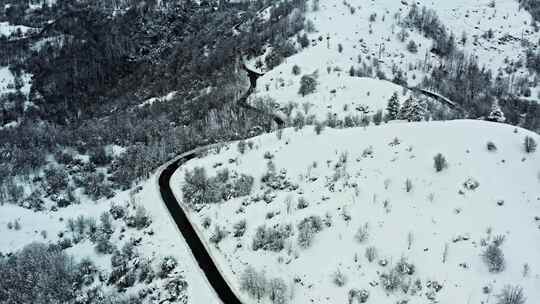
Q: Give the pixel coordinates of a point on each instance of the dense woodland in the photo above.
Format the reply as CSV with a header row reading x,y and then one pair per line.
x,y
98,60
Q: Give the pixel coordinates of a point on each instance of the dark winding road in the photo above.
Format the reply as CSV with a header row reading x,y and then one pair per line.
x,y
214,276
207,265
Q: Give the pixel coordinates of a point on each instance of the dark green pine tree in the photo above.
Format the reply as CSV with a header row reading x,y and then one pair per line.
x,y
392,109
405,111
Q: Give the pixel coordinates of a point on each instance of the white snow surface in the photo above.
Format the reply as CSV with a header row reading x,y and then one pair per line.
x,y
436,212
6,29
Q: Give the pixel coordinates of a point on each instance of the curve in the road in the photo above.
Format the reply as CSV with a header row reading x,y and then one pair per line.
x,y
203,258
207,265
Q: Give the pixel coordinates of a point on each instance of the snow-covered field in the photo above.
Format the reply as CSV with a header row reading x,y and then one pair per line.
x,y
357,177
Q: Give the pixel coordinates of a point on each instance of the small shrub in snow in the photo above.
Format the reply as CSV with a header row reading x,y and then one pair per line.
x,y
371,254
511,295
499,239
239,228
412,47
56,180
493,257
445,253
17,225
404,267
327,220
491,146
140,220
254,283
277,291
529,144
99,156
410,240
271,239
146,273
268,155
357,296
296,70
35,203
471,184
365,120
308,84
362,234
206,222
198,189
105,224
368,152
103,244
65,243
439,162
408,185
378,117
242,146
299,121
218,235
319,127
339,278
302,203
175,290
117,211
95,185
526,270
391,281
167,265
242,185
307,229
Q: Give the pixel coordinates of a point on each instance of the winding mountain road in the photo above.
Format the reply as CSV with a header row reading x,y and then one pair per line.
x,y
178,214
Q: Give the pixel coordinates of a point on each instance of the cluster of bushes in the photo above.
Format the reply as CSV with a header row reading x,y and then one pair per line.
x,y
493,257
100,233
307,228
271,238
395,279
258,286
198,189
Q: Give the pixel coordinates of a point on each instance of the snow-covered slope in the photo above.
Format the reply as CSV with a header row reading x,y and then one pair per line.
x,y
366,34
160,240
354,178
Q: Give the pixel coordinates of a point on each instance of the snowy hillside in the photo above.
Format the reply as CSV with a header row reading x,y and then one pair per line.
x,y
370,37
374,194
20,226
380,179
